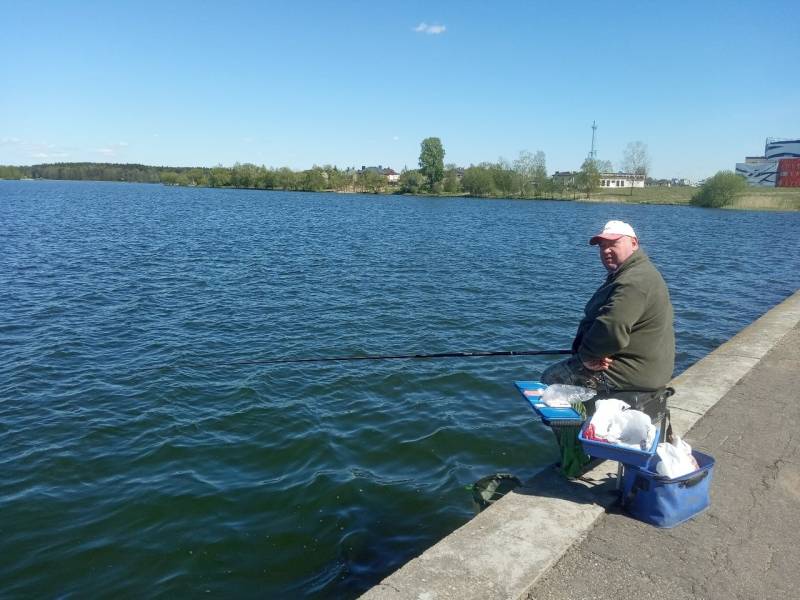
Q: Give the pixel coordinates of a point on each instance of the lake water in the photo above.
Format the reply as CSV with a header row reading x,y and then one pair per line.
x,y
137,460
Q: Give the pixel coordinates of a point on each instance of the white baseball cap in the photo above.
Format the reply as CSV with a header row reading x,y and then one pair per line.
x,y
613,231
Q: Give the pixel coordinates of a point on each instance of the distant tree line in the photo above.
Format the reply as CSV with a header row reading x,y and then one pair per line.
x,y
88,172
239,176
525,177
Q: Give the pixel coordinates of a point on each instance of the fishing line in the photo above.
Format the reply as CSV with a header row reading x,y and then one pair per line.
x,y
323,359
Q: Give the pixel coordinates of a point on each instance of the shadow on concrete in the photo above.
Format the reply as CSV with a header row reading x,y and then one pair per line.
x,y
598,486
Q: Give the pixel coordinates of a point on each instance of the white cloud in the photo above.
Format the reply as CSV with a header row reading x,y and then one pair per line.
x,y
430,29
44,150
112,150
26,149
49,155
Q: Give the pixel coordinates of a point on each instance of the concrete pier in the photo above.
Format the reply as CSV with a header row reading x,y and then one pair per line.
x,y
554,538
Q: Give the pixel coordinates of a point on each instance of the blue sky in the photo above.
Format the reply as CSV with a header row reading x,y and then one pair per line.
x,y
362,83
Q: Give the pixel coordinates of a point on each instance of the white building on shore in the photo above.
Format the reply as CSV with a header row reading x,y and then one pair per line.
x,y
621,180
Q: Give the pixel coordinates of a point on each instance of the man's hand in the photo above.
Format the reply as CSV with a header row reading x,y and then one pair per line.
x,y
598,364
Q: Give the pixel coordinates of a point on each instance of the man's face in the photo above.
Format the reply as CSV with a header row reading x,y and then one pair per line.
x,y
615,252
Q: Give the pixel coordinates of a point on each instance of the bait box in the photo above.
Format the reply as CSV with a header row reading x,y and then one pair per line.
x,y
626,456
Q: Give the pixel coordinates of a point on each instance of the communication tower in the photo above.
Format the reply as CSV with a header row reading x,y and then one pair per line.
x,y
593,151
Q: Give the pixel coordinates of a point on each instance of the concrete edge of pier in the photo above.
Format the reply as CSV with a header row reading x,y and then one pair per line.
x,y
506,549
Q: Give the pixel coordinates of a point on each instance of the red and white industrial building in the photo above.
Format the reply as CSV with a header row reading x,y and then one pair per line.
x,y
779,167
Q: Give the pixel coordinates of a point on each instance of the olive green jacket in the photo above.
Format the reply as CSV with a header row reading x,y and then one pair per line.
x,y
629,319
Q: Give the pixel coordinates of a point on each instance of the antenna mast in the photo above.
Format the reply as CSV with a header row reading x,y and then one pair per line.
x,y
593,152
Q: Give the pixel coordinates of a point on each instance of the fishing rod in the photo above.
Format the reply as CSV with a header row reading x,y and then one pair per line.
x,y
283,361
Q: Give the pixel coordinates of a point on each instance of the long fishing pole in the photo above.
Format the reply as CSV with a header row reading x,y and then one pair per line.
x,y
315,359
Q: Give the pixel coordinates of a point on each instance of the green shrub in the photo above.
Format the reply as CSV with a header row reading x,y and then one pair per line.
x,y
478,181
720,190
411,182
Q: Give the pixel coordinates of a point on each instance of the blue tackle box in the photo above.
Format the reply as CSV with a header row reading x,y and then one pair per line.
x,y
552,416
622,454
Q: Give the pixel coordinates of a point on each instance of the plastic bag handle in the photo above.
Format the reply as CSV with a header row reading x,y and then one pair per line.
x,y
693,481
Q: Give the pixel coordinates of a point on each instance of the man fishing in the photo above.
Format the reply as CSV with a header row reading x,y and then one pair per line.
x,y
625,341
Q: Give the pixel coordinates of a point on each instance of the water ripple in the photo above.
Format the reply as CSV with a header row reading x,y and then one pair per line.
x,y
137,460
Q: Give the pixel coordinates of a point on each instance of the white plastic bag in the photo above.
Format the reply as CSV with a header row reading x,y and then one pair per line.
x,y
635,428
559,394
610,406
616,424
605,421
676,459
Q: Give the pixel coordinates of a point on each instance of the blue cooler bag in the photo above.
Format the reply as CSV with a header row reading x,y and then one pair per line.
x,y
666,502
